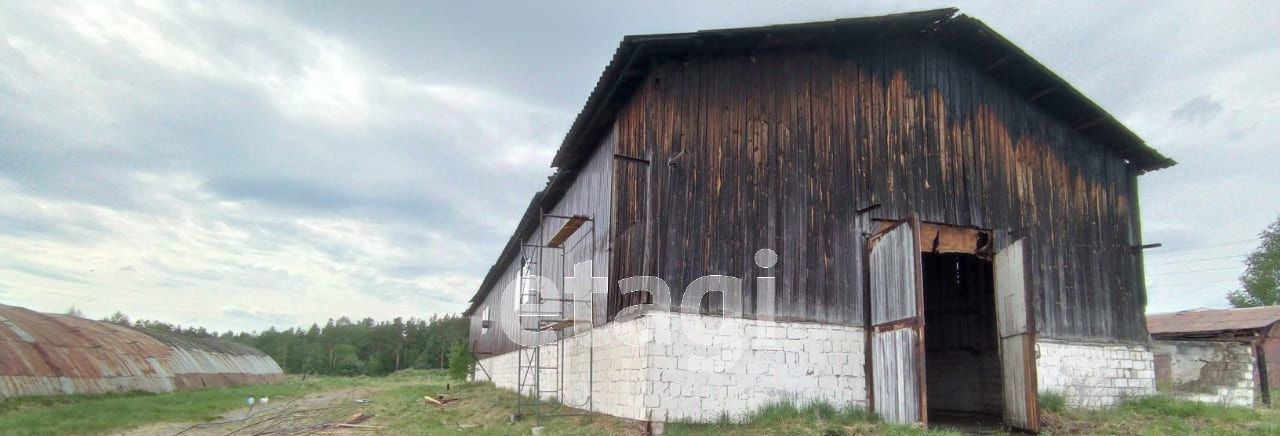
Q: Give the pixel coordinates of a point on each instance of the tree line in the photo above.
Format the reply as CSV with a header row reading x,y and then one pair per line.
x,y
1260,283
343,346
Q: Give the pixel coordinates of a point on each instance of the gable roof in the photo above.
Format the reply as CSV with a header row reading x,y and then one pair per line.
x,y
967,36
1213,320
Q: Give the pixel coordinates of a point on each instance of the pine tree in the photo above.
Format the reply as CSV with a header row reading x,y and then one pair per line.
x,y
460,361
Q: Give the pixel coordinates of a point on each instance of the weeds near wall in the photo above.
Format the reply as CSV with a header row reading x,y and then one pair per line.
x,y
1053,402
1159,414
785,417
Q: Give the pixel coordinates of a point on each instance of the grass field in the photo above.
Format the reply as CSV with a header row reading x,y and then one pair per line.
x,y
1165,416
398,408
98,414
814,419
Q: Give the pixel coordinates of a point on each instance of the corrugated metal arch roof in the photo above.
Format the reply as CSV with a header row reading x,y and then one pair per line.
x,y
965,35
1213,320
46,354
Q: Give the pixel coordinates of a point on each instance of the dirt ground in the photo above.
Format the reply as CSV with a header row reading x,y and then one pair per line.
x,y
313,414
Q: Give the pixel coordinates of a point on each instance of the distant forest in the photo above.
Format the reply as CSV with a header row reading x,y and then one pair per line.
x,y
341,346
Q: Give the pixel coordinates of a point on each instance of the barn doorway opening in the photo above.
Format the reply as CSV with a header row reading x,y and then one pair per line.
x,y
962,351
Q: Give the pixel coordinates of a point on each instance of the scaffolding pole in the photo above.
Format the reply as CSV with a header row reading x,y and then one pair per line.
x,y
530,366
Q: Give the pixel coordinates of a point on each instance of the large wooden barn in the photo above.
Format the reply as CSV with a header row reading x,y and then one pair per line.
x,y
925,221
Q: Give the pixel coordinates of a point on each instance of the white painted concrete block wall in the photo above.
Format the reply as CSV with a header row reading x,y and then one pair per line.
x,y
1094,375
616,381
738,365
645,370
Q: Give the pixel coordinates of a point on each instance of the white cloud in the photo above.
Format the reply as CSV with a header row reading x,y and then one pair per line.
x,y
240,164
199,254
93,75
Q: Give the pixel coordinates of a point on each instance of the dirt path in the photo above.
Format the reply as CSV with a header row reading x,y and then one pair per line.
x,y
280,416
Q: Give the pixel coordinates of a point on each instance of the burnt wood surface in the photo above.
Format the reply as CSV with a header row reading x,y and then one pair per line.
x,y
780,149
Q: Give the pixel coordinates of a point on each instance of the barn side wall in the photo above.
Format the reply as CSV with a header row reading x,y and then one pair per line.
x,y
1094,375
645,370
588,195
780,150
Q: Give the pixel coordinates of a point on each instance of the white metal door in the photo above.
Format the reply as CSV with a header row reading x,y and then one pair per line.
x,y
1017,339
897,324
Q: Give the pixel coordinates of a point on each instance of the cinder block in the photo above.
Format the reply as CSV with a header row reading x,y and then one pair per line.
x,y
732,375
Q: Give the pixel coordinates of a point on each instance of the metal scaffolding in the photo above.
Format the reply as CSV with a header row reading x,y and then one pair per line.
x,y
537,376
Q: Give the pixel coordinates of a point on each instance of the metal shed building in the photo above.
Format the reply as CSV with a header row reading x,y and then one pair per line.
x,y
46,354
913,214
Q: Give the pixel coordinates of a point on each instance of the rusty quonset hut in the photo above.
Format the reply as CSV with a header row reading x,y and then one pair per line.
x,y
46,354
910,171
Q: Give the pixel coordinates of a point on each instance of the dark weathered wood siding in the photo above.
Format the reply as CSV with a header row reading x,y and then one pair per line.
x,y
780,149
588,195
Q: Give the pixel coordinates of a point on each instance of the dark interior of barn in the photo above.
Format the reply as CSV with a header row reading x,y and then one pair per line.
x,y
962,355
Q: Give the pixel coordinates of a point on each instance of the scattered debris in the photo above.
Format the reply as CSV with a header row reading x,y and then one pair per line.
x,y
363,400
354,421
283,416
357,418
458,425
439,402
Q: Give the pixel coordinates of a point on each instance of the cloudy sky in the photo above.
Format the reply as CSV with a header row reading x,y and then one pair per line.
x,y
245,164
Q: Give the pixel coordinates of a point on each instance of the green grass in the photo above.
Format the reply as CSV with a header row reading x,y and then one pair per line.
x,y
397,405
1162,415
480,409
1052,402
483,409
817,418
98,414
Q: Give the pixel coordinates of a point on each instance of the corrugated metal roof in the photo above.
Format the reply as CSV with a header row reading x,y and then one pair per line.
x,y
1213,320
45,354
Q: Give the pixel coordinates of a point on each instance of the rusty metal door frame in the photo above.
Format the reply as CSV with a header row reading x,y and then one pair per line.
x,y
914,322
